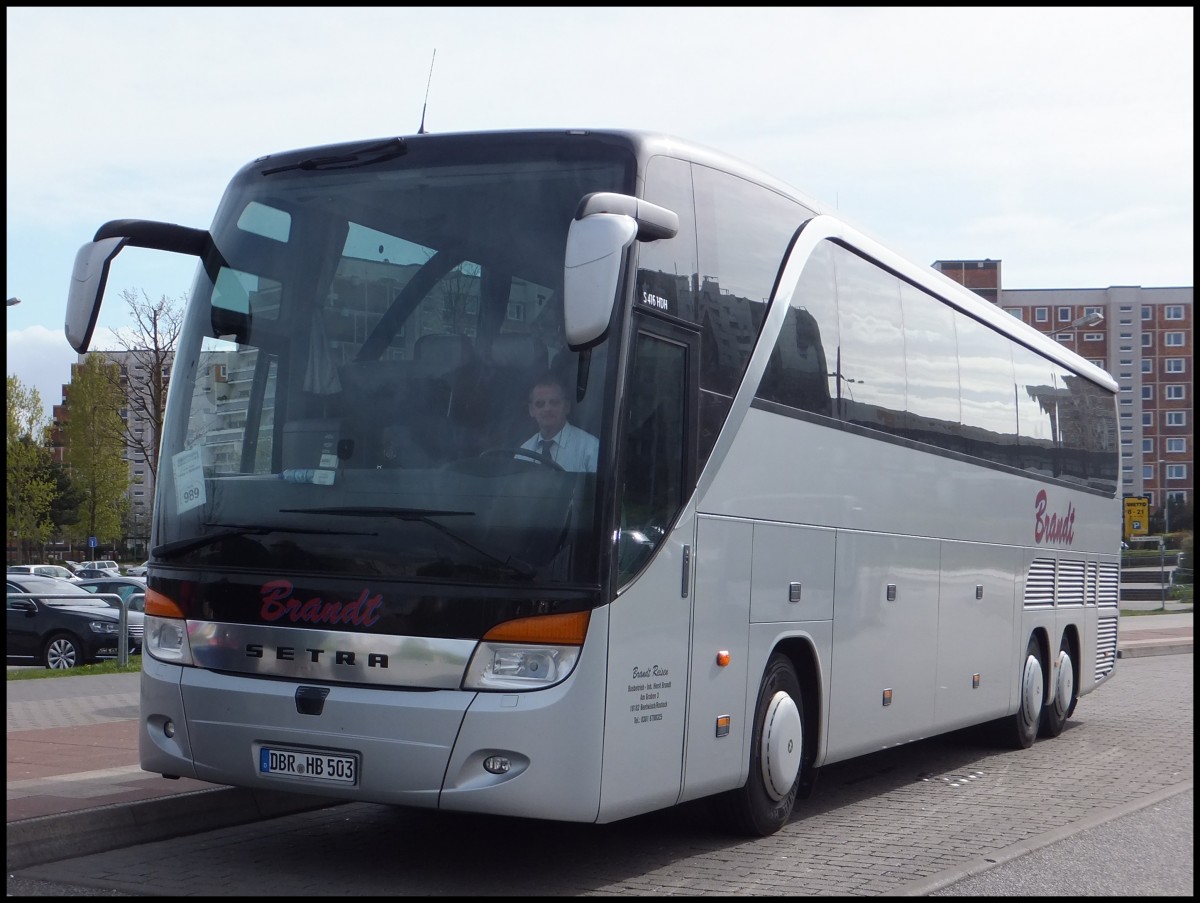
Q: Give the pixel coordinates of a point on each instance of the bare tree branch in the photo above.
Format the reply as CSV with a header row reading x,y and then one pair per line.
x,y
151,346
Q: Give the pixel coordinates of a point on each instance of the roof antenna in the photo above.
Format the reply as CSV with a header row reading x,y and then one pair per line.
x,y
421,130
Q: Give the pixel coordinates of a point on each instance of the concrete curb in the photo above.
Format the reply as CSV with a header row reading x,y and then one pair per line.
x,y
1136,649
48,838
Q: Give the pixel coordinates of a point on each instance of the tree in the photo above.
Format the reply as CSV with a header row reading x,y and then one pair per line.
x,y
30,489
151,347
95,442
64,509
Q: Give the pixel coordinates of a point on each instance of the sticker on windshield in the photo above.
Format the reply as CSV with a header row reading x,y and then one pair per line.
x,y
189,480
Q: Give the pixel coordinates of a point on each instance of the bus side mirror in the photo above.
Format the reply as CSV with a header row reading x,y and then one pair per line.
x,y
592,273
88,278
604,226
90,273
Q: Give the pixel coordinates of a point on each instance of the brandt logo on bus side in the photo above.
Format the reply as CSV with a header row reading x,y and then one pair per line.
x,y
278,603
1054,527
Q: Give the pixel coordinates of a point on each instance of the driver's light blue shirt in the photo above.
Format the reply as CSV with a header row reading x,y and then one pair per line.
x,y
573,449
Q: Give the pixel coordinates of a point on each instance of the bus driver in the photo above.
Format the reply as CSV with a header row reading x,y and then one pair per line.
x,y
567,445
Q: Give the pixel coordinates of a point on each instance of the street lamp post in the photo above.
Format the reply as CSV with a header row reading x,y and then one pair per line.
x,y
1162,543
1166,496
1095,318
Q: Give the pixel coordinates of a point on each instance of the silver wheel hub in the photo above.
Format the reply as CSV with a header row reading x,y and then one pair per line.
x,y
1064,685
62,655
782,746
1031,691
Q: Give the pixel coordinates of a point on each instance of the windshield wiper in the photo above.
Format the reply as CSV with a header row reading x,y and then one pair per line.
x,y
179,546
425,516
375,153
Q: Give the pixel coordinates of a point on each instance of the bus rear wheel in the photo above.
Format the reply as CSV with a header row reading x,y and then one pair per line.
x,y
1063,696
778,756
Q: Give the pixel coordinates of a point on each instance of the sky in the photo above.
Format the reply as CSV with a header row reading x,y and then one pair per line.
x,y
1058,141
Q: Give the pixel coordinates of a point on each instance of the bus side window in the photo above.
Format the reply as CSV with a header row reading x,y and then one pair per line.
x,y
654,458
801,369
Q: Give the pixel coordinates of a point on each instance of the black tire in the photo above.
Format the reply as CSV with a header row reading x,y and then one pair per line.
x,y
1019,730
1063,694
62,651
779,757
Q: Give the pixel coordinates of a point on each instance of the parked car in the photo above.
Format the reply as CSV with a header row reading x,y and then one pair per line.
x,y
93,573
133,591
126,587
61,632
43,570
106,564
138,570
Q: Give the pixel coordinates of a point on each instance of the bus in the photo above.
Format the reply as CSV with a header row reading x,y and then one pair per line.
x,y
837,503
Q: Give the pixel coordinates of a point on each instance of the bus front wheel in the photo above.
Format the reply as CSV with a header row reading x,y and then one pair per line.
x,y
1019,730
778,756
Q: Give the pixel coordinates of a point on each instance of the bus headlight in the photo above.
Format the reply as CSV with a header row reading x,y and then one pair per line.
x,y
527,653
166,639
503,666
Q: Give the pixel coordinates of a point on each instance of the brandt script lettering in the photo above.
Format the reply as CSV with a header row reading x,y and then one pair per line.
x,y
278,603
1056,528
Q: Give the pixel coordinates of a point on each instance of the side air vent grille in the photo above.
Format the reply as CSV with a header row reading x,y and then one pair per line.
x,y
1039,585
1106,647
1108,592
1071,582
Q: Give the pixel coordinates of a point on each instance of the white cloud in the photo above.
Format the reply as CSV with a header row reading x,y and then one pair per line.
x,y
41,359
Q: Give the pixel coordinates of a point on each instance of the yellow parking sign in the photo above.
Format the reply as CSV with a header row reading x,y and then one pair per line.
x,y
1137,516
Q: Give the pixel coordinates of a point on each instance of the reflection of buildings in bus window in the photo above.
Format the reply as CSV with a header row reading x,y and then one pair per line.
x,y
797,374
733,323
220,404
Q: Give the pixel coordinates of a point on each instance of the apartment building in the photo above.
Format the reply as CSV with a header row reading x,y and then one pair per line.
x,y
1145,340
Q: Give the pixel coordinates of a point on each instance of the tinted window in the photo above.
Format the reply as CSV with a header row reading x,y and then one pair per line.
x,y
1037,405
655,455
743,230
718,272
800,372
872,371
931,368
989,415
1088,433
913,365
667,268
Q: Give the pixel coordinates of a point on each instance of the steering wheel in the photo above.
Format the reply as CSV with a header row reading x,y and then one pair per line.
x,y
521,453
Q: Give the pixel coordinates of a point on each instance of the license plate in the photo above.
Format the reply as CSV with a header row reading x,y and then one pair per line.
x,y
310,765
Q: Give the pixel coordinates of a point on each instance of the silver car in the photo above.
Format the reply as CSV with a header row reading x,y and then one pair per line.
x,y
43,570
106,564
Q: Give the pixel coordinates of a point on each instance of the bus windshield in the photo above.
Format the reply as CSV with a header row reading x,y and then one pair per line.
x,y
355,379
